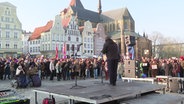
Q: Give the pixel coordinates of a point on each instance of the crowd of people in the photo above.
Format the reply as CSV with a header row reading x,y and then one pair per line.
x,y
167,67
67,69
60,69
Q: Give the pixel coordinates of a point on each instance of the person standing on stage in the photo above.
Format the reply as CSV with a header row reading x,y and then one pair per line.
x,y
110,49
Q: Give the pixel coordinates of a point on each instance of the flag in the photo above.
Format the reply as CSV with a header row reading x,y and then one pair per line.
x,y
64,51
56,51
131,52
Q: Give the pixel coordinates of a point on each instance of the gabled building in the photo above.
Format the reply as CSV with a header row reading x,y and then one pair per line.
x,y
53,38
87,33
72,36
35,38
99,39
48,37
10,31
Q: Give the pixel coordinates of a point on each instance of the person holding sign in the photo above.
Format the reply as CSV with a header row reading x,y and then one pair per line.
x,y
154,68
145,66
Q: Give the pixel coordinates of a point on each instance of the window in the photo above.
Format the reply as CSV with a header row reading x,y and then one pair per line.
x,y
53,46
2,18
31,50
15,46
113,27
126,24
0,44
7,45
48,46
7,34
89,33
77,39
110,27
7,26
45,46
7,19
38,49
85,45
57,38
15,26
69,38
0,34
68,47
15,35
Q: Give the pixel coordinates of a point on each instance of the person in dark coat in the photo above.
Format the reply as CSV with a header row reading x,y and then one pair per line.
x,y
7,70
1,69
110,48
47,70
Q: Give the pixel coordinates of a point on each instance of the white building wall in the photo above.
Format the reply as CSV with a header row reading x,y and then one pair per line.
x,y
87,39
72,37
25,42
10,31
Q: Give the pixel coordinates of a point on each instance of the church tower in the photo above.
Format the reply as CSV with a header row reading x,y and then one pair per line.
x,y
99,7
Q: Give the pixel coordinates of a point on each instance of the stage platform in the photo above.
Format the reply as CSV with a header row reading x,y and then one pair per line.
x,y
96,92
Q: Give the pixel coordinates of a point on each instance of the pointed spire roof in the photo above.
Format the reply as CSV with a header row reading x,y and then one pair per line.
x,y
99,7
76,3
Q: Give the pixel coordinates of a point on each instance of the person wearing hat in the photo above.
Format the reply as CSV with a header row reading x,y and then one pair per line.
x,y
110,49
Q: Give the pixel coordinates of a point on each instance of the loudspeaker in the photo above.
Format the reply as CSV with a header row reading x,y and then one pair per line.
x,y
130,68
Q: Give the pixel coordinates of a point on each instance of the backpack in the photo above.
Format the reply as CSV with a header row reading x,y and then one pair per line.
x,y
50,100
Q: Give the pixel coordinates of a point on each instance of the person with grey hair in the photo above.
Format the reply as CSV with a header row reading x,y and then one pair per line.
x,y
110,49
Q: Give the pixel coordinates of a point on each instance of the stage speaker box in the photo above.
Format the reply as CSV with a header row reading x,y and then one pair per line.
x,y
174,84
129,68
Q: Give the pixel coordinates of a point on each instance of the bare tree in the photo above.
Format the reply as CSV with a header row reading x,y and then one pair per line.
x,y
156,38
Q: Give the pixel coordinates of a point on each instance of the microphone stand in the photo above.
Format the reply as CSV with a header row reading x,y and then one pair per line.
x,y
101,70
76,86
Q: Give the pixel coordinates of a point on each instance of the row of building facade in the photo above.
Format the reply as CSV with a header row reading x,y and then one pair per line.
x,y
74,26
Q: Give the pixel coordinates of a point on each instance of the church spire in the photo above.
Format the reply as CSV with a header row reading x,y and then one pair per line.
x,y
99,7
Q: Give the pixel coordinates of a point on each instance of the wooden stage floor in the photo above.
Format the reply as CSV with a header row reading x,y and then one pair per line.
x,y
96,92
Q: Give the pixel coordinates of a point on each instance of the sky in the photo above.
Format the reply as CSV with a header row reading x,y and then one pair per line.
x,y
163,16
